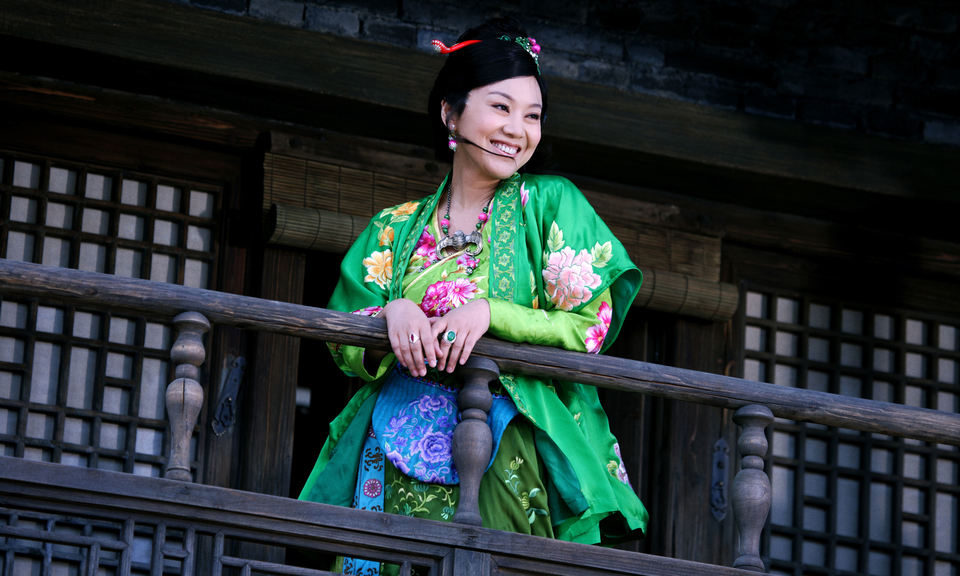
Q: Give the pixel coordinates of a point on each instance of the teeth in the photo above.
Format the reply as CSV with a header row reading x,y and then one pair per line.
x,y
507,149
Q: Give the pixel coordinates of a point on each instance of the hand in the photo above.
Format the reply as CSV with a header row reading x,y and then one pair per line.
x,y
411,336
468,322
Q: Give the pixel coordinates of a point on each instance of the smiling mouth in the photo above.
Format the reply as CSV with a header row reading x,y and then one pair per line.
x,y
506,149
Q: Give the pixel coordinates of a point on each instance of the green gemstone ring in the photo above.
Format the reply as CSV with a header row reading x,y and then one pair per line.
x,y
450,336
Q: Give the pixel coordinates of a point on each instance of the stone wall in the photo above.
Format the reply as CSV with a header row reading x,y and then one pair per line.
x,y
886,67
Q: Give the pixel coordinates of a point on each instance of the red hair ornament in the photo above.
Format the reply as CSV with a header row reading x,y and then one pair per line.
x,y
444,49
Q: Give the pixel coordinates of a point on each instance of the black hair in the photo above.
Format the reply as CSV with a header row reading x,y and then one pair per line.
x,y
486,62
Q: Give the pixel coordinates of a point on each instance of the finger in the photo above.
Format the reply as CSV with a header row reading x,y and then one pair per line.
x,y
396,344
403,352
454,354
437,330
415,346
430,349
469,342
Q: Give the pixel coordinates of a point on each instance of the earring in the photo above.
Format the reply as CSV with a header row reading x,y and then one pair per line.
x,y
452,138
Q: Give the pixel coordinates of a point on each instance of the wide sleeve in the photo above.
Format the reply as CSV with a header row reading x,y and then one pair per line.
x,y
583,330
581,279
365,276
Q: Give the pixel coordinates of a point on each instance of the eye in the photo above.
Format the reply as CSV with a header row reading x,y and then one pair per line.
x,y
502,107
534,116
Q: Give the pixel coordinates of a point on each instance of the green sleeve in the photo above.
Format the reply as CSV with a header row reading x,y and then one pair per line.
x,y
366,274
581,330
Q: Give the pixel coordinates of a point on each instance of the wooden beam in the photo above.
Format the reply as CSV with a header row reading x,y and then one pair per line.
x,y
244,49
80,493
158,299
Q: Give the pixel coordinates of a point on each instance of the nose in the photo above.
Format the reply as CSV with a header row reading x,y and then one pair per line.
x,y
514,125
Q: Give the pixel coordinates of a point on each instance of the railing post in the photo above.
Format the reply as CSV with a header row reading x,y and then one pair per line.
x,y
184,394
751,486
472,439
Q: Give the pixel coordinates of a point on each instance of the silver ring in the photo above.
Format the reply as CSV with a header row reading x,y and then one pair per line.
x,y
414,337
450,336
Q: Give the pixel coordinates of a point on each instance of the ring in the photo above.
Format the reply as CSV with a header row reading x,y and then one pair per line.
x,y
450,336
414,338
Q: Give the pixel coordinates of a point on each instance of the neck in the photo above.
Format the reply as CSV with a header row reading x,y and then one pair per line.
x,y
471,191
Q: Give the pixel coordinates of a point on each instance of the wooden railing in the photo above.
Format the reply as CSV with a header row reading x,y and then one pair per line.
x,y
756,404
83,521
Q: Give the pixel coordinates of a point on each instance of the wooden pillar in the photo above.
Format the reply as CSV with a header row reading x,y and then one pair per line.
x,y
185,394
751,487
472,439
676,476
269,394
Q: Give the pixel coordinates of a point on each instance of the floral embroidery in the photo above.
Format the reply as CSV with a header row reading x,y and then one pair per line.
x,y
502,236
602,253
524,195
569,278
419,498
372,488
417,440
425,254
616,467
445,295
512,480
597,332
535,302
379,267
386,234
368,311
402,212
467,263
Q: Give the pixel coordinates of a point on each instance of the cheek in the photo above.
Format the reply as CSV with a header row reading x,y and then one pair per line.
x,y
533,138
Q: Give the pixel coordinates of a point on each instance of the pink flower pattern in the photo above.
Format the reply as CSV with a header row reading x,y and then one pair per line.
x,y
368,311
524,195
621,469
372,488
425,254
569,278
445,295
467,261
597,332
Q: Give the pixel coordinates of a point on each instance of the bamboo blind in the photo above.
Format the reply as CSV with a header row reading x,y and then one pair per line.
x,y
321,204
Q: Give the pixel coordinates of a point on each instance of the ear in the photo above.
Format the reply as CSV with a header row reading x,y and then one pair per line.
x,y
446,114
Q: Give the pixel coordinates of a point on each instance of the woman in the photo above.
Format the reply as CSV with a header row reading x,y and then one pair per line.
x,y
521,257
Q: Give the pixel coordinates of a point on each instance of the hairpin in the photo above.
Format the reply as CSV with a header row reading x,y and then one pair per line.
x,y
444,49
528,44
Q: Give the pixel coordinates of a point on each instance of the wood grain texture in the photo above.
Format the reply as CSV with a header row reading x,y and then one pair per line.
x,y
454,548
74,286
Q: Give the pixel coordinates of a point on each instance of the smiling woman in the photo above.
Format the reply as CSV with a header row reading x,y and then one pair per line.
x,y
521,257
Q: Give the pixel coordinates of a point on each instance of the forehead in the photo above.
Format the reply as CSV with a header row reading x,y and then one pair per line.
x,y
522,90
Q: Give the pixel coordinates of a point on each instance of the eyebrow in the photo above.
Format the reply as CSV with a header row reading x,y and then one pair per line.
x,y
510,98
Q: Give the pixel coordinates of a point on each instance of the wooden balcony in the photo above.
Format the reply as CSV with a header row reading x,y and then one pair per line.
x,y
93,522
112,523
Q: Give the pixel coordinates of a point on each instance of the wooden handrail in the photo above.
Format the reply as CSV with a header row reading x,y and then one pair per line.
x,y
166,300
144,506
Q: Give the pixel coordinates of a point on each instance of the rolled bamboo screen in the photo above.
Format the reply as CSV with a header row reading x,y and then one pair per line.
x,y
317,229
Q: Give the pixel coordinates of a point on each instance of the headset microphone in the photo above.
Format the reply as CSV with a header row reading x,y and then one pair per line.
x,y
460,138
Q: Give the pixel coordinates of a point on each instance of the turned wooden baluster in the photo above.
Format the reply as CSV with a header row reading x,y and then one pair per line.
x,y
751,486
184,394
472,439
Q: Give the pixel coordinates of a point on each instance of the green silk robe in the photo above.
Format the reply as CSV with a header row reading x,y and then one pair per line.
x,y
550,257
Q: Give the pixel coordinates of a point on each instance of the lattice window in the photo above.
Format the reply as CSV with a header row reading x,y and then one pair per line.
x,y
85,386
846,502
76,544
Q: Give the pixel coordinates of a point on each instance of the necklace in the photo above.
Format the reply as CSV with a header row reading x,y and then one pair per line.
x,y
460,241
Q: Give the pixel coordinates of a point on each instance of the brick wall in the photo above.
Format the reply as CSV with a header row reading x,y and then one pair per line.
x,y
885,67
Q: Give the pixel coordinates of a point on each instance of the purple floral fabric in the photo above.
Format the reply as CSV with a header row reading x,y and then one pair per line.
x,y
414,420
417,439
